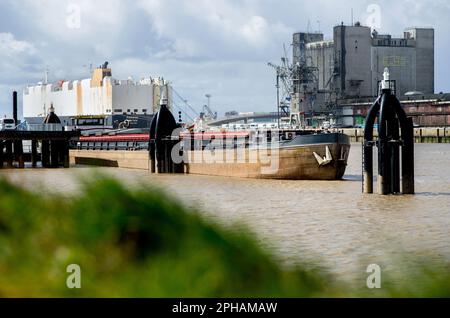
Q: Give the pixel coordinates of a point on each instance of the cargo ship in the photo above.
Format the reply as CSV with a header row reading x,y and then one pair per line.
x,y
263,154
100,102
295,154
302,156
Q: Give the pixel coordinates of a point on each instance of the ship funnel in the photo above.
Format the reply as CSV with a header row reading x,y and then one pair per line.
x,y
15,116
164,100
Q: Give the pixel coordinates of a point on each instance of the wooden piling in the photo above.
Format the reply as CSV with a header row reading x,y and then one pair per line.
x,y
408,159
9,153
45,153
368,168
54,154
34,154
382,179
65,155
18,153
1,154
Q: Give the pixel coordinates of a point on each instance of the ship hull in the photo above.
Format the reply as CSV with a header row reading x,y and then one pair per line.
x,y
295,160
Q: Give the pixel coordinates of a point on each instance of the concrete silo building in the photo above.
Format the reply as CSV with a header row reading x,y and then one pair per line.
x,y
354,61
350,66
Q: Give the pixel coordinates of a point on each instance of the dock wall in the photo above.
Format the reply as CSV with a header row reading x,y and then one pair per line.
x,y
421,135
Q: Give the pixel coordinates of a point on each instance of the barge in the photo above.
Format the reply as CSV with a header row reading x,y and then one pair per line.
x,y
304,157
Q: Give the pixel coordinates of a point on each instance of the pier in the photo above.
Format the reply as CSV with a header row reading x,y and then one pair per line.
x,y
48,143
53,153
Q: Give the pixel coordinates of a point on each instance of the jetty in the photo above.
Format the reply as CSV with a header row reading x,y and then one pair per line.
x,y
47,143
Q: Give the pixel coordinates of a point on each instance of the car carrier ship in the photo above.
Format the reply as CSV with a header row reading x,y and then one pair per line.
x,y
99,102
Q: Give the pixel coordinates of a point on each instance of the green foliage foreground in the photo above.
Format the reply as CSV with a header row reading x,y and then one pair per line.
x,y
142,243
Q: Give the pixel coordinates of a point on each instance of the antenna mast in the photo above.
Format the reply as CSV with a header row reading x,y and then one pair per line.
x,y
352,17
46,75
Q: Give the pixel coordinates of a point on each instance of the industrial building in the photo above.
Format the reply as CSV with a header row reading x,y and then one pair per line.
x,y
335,74
353,63
101,96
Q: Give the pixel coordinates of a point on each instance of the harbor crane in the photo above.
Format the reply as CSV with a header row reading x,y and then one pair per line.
x,y
285,76
207,108
296,86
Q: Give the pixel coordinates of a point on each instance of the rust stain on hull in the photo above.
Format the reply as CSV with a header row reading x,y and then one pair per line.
x,y
79,99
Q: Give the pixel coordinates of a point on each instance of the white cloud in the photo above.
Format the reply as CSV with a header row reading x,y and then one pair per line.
x,y
214,29
52,17
256,30
10,47
15,58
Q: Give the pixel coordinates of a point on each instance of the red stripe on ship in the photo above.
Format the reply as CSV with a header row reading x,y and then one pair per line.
x,y
145,137
130,137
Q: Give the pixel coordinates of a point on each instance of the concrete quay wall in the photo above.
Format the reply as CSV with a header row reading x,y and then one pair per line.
x,y
421,135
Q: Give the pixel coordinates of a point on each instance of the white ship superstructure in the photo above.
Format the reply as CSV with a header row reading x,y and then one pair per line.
x,y
100,95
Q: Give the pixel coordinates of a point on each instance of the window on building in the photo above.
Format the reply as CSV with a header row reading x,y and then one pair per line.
x,y
136,110
118,111
90,122
144,110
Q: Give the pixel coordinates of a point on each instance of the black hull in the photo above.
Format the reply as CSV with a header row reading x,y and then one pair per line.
x,y
114,121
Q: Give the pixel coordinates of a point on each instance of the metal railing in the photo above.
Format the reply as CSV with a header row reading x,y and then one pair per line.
x,y
41,127
112,145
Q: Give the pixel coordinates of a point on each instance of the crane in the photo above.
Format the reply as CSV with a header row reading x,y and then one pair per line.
x,y
207,108
284,78
187,106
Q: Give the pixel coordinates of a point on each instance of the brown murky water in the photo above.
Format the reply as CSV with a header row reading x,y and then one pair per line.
x,y
329,221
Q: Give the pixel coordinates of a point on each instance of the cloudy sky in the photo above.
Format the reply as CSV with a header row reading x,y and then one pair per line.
x,y
217,47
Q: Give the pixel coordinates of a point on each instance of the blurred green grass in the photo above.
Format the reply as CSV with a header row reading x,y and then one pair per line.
x,y
142,243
